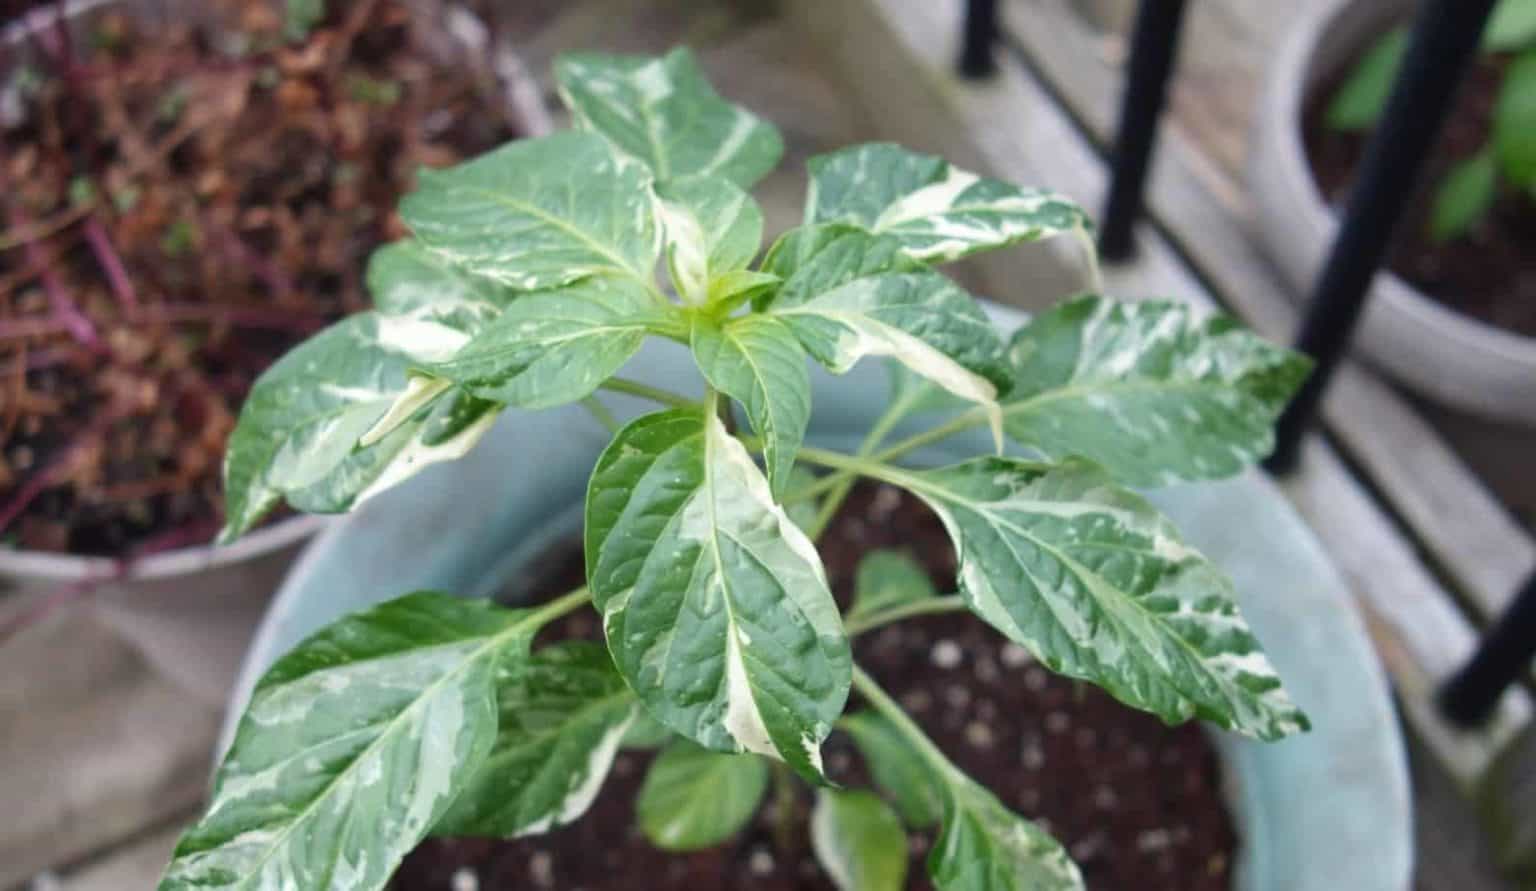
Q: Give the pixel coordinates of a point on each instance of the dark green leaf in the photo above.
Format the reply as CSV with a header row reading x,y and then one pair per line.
x,y
716,606
663,112
1150,390
693,798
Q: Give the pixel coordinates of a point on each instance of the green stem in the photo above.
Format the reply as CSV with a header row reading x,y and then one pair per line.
x,y
784,800
601,413
646,391
840,489
949,603
561,605
882,702
961,422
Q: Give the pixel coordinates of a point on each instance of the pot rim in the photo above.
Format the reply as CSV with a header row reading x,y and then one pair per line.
x,y
1297,74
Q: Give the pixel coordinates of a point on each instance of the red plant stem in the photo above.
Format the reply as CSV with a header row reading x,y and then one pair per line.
x,y
273,277
111,263
47,476
32,327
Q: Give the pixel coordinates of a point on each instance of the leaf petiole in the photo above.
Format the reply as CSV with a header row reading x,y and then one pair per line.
x,y
646,391
949,603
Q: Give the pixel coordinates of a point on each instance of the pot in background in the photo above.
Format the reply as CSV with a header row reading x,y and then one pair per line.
x,y
1434,350
1330,809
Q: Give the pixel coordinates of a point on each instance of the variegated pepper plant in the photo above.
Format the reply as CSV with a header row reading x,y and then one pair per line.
x,y
529,282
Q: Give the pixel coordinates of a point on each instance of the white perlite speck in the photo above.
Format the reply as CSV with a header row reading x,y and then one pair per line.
x,y
946,654
761,862
465,879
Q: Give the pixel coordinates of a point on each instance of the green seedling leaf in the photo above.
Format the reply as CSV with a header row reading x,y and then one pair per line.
x,y
663,112
712,229
1512,27
936,211
715,605
1514,122
1149,390
693,798
1360,101
859,841
1464,197
887,579
898,771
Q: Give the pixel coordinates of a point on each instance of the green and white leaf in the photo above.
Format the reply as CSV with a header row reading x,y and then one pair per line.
x,y
353,746
757,361
553,347
306,413
897,770
813,260
715,605
539,213
1097,585
859,841
407,279
563,714
937,211
664,112
983,846
693,798
646,732
711,229
1150,390
887,579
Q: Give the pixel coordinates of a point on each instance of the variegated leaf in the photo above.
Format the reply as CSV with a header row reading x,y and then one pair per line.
x,y
563,713
983,846
305,414
539,213
1097,585
1151,391
553,347
757,361
937,211
813,260
693,798
715,605
663,112
407,279
352,747
859,841
711,229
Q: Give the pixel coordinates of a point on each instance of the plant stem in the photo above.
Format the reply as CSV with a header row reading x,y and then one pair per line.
x,y
882,702
111,263
646,391
962,422
601,413
784,799
561,605
877,433
949,603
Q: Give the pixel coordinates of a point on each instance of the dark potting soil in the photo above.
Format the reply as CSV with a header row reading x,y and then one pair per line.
x,y
1488,273
1138,804
175,215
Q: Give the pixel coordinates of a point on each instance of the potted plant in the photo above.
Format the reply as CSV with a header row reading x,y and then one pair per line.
x,y
187,193
1450,315
380,720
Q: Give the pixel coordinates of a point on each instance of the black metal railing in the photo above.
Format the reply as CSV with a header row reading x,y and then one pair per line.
x,y
1443,44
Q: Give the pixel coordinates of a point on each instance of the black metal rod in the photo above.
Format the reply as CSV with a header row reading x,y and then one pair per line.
x,y
979,39
1153,48
1444,42
1506,652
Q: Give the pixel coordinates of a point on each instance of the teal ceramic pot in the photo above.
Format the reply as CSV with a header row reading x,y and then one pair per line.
x,y
1326,811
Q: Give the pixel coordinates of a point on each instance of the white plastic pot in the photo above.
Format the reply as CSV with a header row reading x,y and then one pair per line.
x,y
1436,351
1327,810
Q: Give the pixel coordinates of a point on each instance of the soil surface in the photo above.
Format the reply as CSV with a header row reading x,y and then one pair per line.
x,y
179,204
1490,272
1138,804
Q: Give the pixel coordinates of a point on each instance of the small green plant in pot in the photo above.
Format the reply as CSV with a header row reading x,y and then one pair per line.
x,y
1505,164
529,282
